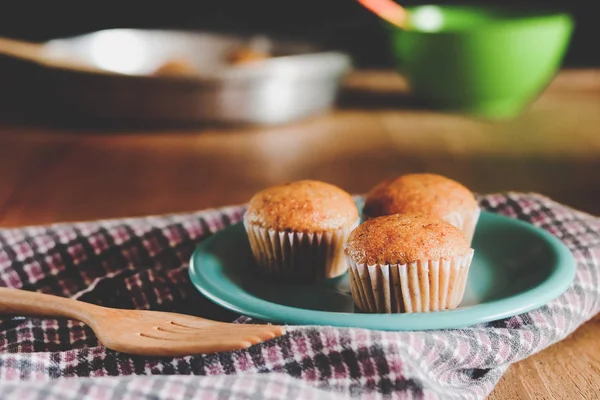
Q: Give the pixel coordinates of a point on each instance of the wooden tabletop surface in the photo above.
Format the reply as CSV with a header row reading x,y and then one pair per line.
x,y
61,173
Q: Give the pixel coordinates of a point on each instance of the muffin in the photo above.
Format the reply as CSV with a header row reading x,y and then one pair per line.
x,y
427,194
297,230
404,263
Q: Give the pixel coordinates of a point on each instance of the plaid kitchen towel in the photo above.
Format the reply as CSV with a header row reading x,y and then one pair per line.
x,y
142,263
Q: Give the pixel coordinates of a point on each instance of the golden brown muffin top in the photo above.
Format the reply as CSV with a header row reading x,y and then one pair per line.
x,y
429,194
405,238
302,206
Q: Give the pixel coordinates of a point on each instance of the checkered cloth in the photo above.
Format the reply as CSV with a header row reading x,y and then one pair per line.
x,y
142,263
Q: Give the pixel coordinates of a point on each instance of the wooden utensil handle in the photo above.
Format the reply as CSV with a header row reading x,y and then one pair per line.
x,y
22,302
20,49
34,52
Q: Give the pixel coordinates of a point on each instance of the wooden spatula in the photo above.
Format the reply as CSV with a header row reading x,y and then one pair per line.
x,y
36,53
149,333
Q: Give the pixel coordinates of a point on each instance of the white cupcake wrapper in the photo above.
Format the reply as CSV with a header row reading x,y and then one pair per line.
x,y
299,255
422,286
466,222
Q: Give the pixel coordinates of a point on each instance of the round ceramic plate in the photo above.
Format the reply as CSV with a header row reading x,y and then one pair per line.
x,y
517,267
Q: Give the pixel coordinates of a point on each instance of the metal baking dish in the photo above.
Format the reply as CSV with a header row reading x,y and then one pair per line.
x,y
298,81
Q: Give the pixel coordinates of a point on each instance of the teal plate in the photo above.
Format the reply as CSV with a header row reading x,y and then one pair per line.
x,y
517,267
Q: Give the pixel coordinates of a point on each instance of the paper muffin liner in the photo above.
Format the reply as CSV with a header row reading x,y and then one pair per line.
x,y
301,256
465,221
422,286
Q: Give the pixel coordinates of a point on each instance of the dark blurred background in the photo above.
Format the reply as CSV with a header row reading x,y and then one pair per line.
x,y
377,132
343,24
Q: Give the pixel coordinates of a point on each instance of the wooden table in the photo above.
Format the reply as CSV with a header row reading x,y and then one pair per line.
x,y
65,174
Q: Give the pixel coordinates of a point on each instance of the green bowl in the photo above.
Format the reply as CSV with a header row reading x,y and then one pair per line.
x,y
489,62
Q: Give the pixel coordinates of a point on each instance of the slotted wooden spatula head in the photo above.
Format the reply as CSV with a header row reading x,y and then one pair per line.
x,y
148,333
167,334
